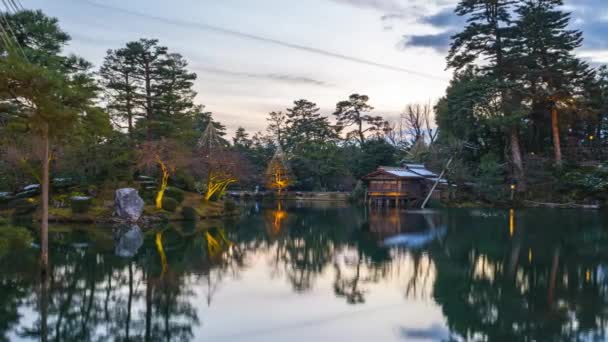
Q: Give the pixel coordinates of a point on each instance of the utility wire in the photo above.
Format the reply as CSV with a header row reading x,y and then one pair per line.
x,y
8,34
243,35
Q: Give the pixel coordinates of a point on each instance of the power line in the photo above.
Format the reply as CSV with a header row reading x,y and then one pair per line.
x,y
8,34
242,35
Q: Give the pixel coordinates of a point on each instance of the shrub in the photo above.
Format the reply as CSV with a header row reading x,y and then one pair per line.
x,y
149,196
175,193
189,214
169,204
229,205
184,180
80,204
24,206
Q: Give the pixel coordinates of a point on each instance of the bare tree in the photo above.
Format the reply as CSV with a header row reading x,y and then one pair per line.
x,y
416,120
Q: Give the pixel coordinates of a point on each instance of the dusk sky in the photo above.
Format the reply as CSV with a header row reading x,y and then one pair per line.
x,y
256,56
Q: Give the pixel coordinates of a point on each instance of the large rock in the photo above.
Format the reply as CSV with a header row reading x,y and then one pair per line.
x,y
129,205
128,240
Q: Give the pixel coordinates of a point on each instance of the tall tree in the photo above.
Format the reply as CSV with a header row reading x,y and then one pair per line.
x,y
488,38
119,79
148,84
544,49
49,102
355,112
277,122
307,125
241,139
46,91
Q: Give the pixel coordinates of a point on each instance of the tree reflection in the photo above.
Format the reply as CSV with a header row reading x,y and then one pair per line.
x,y
479,273
487,293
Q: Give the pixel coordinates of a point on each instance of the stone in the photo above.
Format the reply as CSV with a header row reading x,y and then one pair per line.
x,y
128,240
128,205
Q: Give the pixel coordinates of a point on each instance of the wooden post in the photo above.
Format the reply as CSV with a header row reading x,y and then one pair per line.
x,y
428,197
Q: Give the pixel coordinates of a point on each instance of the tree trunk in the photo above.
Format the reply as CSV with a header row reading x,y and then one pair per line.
x,y
518,165
556,143
44,306
44,223
553,277
361,135
149,111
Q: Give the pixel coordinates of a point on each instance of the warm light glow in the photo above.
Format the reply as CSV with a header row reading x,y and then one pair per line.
x,y
213,246
217,245
591,137
530,255
161,252
278,216
512,186
587,276
163,183
277,174
511,222
217,184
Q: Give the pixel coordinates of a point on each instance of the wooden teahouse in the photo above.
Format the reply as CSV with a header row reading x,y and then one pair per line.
x,y
401,186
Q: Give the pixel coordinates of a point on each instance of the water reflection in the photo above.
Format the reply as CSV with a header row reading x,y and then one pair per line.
x,y
478,275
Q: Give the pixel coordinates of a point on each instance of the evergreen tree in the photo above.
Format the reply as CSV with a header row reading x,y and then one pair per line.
x,y
119,79
277,124
241,139
544,50
306,124
151,85
488,38
353,112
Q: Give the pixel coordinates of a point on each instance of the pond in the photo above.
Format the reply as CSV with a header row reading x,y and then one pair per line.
x,y
293,272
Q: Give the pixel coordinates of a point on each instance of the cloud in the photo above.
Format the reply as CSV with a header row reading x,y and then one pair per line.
x,y
293,79
434,332
386,6
589,16
262,39
444,21
438,42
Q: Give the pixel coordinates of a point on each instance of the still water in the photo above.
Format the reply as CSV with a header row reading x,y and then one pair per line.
x,y
333,273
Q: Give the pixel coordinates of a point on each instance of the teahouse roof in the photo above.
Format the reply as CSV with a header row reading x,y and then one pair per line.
x,y
409,171
421,170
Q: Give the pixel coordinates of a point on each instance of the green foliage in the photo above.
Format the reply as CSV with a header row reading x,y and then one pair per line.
x,y
169,204
24,206
585,182
358,193
189,214
354,112
14,239
490,181
175,193
184,179
150,89
79,204
374,153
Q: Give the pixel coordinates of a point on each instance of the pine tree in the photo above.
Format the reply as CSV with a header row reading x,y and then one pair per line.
x,y
152,86
306,124
353,112
277,124
119,79
241,139
488,38
544,48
